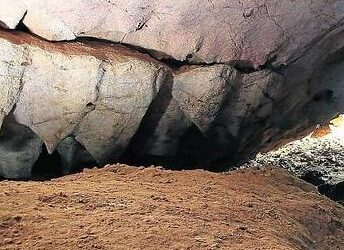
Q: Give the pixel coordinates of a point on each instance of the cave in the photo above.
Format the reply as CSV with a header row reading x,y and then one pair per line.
x,y
121,119
47,166
92,98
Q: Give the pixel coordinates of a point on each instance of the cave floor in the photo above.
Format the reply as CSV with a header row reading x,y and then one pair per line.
x,y
122,207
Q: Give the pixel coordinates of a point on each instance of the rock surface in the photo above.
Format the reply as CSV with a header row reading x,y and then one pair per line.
x,y
201,30
317,160
20,148
199,83
67,90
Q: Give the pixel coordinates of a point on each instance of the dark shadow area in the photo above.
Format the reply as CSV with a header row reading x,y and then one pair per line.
x,y
21,27
74,156
334,192
325,95
47,166
195,151
313,177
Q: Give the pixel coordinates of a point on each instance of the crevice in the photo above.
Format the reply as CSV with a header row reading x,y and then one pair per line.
x,y
22,27
243,67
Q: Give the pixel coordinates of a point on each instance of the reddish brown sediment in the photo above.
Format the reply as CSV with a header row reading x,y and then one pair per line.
x,y
127,207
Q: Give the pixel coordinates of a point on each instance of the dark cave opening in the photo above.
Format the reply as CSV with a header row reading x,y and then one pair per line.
x,y
47,166
194,151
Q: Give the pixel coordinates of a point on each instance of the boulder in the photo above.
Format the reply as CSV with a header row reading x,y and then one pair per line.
x,y
95,93
202,91
20,148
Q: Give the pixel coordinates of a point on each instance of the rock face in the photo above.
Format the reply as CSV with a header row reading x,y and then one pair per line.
x,y
201,30
94,93
20,148
201,83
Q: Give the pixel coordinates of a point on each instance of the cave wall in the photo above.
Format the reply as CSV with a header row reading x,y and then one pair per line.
x,y
183,84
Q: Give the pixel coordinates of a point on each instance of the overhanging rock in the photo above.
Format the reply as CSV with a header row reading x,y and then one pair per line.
x,y
194,83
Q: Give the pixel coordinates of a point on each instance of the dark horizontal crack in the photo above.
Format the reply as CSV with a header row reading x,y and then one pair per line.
x,y
243,67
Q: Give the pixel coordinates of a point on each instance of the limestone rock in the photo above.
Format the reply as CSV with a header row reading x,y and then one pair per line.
x,y
53,29
96,93
20,148
12,60
11,12
125,93
201,92
74,156
64,85
198,30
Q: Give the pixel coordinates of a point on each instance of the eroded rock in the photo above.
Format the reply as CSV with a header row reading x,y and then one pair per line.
x,y
20,148
74,156
64,85
125,93
201,92
12,60
96,93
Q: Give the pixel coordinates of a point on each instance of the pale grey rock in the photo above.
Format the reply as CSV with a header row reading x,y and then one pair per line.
x,y
109,91
74,156
20,148
251,100
243,124
201,92
11,12
54,28
125,93
12,58
198,30
96,93
64,85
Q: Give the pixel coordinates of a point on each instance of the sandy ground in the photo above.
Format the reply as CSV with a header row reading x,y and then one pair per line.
x,y
121,207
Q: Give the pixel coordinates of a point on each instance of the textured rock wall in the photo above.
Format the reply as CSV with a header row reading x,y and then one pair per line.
x,y
63,90
251,31
199,83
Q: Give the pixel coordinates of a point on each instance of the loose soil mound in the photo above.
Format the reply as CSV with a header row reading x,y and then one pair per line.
x,y
121,207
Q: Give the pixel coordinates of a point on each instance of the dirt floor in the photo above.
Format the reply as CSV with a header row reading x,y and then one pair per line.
x,y
121,207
